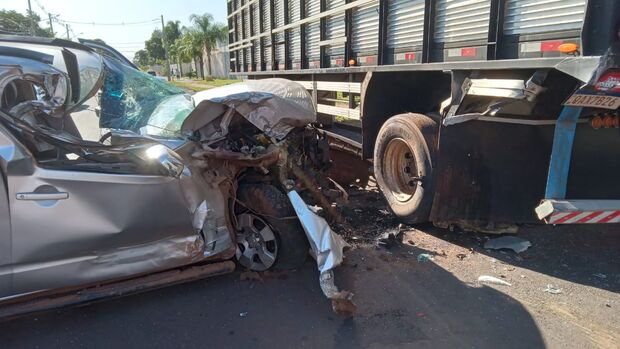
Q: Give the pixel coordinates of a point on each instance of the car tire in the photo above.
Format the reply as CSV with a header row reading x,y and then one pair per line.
x,y
403,164
274,207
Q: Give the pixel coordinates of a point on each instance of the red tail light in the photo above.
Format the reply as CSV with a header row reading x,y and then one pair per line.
x,y
609,82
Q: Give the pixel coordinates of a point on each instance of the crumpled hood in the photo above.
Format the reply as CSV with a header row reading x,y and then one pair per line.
x,y
275,106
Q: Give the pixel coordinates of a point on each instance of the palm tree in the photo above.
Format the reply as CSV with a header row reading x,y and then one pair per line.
x,y
209,33
190,48
175,55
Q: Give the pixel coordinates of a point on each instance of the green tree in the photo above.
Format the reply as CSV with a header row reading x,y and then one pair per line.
x,y
190,48
13,22
155,48
172,32
141,58
209,33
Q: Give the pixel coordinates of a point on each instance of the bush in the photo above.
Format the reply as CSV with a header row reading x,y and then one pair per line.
x,y
191,75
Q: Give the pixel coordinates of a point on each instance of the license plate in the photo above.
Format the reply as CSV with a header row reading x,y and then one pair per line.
x,y
593,101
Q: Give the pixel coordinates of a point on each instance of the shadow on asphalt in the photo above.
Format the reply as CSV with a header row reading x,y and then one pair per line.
x,y
402,303
583,254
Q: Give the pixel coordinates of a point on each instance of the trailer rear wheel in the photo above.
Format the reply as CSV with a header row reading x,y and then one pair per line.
x,y
403,164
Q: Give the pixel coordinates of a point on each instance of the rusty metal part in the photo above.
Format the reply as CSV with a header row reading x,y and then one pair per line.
x,y
239,159
311,186
48,301
349,169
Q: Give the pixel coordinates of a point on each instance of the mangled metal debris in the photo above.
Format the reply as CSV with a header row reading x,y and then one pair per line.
x,y
229,145
327,249
274,106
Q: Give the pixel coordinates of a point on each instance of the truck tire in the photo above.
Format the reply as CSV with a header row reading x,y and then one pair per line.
x,y
273,207
403,165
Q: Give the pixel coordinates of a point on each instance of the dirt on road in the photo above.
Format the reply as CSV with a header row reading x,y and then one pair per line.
x,y
564,288
421,291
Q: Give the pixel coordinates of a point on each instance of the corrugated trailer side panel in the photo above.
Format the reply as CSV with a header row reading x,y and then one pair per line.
x,y
295,34
335,37
266,15
461,29
535,28
364,38
414,31
278,7
313,35
256,43
405,31
247,52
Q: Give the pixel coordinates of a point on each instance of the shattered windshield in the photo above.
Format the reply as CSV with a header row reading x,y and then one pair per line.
x,y
136,101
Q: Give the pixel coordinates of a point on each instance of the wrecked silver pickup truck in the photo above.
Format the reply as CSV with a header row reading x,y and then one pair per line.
x,y
175,187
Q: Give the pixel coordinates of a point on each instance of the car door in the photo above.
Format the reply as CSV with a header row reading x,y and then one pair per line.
x,y
5,237
70,228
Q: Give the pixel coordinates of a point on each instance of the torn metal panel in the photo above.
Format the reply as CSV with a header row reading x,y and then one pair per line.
x,y
275,106
326,245
327,248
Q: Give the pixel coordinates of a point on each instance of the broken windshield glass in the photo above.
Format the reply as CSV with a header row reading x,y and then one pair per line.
x,y
136,101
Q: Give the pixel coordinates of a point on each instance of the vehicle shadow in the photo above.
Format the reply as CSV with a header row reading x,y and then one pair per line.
x,y
402,303
583,254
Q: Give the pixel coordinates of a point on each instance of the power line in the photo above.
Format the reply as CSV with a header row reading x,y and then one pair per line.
x,y
120,23
130,42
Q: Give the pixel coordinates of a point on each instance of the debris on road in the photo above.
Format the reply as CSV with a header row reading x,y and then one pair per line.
x,y
508,242
493,280
390,238
249,275
552,289
600,275
425,257
327,248
243,314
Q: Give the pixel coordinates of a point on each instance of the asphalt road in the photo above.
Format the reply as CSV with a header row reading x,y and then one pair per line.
x,y
402,302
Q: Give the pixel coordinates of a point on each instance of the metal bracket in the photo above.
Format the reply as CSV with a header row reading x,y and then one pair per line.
x,y
561,152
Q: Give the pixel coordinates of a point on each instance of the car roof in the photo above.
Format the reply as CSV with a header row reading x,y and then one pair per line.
x,y
44,41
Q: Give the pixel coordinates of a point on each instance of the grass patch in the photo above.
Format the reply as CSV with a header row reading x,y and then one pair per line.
x,y
201,85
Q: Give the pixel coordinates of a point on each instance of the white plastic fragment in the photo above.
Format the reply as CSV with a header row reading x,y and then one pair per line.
x,y
508,242
493,280
552,289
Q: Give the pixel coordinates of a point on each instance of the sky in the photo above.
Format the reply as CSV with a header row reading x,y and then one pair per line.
x,y
127,38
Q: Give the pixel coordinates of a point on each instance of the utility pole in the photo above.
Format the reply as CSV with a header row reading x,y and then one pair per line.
x,y
67,27
51,25
163,40
30,14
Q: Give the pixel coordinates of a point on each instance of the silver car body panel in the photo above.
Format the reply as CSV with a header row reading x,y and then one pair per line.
x,y
274,106
64,227
136,224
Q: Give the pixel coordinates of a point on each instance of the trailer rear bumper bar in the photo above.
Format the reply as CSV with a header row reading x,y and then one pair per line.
x,y
579,211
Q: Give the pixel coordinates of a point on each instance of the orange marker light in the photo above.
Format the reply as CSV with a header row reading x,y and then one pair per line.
x,y
352,62
616,121
608,121
596,122
568,48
